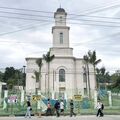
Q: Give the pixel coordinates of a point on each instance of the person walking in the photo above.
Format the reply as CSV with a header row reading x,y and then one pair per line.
x,y
48,111
72,108
62,107
28,112
100,108
57,107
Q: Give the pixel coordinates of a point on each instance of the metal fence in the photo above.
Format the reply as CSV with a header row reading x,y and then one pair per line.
x,y
13,102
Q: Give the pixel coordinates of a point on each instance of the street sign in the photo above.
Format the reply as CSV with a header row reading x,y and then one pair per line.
x,y
78,97
36,97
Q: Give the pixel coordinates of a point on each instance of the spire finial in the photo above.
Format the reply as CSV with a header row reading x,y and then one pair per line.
x,y
59,2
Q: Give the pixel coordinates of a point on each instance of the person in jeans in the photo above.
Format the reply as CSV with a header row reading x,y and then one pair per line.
x,y
57,107
48,111
100,108
28,112
61,107
72,108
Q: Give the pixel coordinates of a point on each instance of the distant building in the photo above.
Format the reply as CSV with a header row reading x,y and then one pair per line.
x,y
67,73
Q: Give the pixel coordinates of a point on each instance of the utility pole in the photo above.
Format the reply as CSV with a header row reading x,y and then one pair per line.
x,y
24,75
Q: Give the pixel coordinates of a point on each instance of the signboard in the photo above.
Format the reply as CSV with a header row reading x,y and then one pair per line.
x,y
12,99
78,97
36,97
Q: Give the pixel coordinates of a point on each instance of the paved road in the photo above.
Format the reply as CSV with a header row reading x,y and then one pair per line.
x,y
91,117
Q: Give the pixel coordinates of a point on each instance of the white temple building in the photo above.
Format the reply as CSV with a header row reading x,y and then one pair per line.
x,y
67,74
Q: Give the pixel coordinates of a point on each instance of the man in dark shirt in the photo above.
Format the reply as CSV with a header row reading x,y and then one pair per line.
x,y
72,108
28,112
57,107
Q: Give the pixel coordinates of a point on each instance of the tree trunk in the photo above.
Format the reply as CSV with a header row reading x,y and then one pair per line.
x,y
96,87
88,81
48,80
39,78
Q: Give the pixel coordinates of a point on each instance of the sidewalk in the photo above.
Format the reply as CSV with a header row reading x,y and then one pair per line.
x,y
90,117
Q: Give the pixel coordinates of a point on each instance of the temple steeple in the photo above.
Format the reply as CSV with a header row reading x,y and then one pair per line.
x,y
60,30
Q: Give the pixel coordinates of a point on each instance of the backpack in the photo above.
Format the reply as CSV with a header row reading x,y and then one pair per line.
x,y
102,106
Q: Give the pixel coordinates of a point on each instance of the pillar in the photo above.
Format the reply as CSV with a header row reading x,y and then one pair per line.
x,y
5,96
95,99
22,97
110,98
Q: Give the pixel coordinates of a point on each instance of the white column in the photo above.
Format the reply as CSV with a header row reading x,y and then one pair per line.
x,y
110,98
5,96
95,99
53,95
0,91
39,101
65,97
22,96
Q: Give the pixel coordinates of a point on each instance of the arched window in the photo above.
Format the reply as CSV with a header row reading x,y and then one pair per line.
x,y
61,38
61,75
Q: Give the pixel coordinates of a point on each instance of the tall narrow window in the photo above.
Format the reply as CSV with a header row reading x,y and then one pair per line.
x,y
60,19
61,38
61,75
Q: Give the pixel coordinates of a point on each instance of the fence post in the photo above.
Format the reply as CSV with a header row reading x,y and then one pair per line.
x,y
22,97
95,99
53,95
110,98
0,91
5,96
39,103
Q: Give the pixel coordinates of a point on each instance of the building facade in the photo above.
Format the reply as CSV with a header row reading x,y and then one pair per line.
x,y
67,74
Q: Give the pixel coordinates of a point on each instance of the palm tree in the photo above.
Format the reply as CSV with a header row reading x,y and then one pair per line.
x,y
93,60
39,63
86,59
48,58
102,77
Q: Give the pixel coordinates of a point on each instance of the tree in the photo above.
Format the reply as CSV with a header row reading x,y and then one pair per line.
x,y
115,83
102,77
93,60
90,58
39,63
48,58
12,77
1,76
85,57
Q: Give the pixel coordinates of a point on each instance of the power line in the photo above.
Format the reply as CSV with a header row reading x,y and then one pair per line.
x,y
52,12
102,9
76,44
26,10
2,34
43,20
68,18
98,9
16,13
101,38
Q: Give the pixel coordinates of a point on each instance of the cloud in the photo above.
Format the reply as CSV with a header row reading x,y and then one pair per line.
x,y
37,39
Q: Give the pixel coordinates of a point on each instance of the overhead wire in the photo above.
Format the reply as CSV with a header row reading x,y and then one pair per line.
x,y
52,17
89,11
27,28
43,20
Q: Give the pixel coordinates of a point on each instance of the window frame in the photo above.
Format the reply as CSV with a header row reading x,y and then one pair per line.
x,y
61,37
62,75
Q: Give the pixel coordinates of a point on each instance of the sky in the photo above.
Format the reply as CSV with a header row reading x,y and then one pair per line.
x,y
25,29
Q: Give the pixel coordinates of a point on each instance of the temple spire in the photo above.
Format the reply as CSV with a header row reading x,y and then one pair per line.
x,y
59,3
